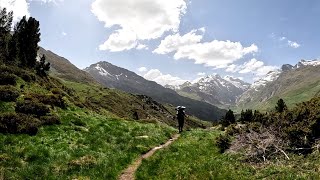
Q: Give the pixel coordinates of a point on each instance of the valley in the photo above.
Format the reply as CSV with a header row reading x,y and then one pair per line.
x,y
103,121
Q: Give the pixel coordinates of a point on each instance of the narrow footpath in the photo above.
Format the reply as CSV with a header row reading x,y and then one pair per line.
x,y
128,174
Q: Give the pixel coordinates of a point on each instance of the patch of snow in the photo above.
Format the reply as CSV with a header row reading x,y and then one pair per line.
x,y
271,76
102,71
310,62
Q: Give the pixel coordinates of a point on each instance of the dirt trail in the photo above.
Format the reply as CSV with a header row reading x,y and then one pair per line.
x,y
128,174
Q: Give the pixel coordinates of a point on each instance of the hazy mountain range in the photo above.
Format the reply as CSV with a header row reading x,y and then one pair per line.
x,y
294,83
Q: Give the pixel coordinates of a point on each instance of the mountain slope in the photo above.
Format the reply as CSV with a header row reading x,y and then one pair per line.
x,y
90,94
115,77
292,83
214,89
62,68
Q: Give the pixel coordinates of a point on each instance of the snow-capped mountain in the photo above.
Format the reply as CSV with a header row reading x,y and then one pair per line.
x,y
116,77
271,76
214,89
288,82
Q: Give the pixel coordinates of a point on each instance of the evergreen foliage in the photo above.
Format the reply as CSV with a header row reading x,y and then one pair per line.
x,y
281,106
5,27
228,119
246,116
28,37
42,67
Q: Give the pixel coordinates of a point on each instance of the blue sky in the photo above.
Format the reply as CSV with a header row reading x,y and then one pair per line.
x,y
177,40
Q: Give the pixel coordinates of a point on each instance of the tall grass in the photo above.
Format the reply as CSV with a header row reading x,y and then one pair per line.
x,y
196,156
84,146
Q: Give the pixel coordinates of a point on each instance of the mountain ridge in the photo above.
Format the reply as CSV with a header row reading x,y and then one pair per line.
x,y
116,77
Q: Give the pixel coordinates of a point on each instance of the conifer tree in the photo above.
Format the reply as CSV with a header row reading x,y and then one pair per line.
x,y
42,67
5,27
28,37
281,106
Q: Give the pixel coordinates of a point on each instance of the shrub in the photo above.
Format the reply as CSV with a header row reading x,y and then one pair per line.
x,y
223,143
53,100
57,91
18,124
79,122
8,93
28,77
261,145
50,120
233,129
31,107
8,79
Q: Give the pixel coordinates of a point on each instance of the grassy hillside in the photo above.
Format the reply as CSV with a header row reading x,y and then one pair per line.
x,y
71,130
62,68
85,145
196,156
294,86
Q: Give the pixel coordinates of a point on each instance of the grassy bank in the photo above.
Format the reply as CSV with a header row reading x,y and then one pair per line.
x,y
84,146
195,156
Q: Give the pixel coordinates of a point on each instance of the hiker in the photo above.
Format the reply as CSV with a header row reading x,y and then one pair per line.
x,y
180,116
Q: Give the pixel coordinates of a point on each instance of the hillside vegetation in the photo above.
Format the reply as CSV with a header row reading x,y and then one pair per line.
x,y
56,127
294,86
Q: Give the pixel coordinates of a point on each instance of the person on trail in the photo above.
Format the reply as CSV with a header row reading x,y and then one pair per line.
x,y
180,116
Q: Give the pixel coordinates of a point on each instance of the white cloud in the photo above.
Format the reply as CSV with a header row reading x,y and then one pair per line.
x,y
119,41
254,66
142,46
142,69
201,74
283,39
215,53
137,20
163,79
174,42
251,66
48,1
293,44
19,8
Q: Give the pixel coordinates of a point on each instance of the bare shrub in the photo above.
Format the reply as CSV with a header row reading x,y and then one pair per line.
x,y
259,146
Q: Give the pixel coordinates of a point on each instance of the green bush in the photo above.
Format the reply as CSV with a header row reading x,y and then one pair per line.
x,y
18,124
53,100
8,79
50,120
57,91
34,108
79,122
28,77
223,142
25,75
8,93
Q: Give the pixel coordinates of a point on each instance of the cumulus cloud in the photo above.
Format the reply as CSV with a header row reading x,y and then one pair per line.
x,y
19,8
174,42
142,69
293,44
254,66
215,53
142,46
137,20
288,42
163,79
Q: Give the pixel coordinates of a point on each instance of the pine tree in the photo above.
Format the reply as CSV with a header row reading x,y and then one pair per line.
x,y
5,27
281,106
42,67
246,116
228,119
28,37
